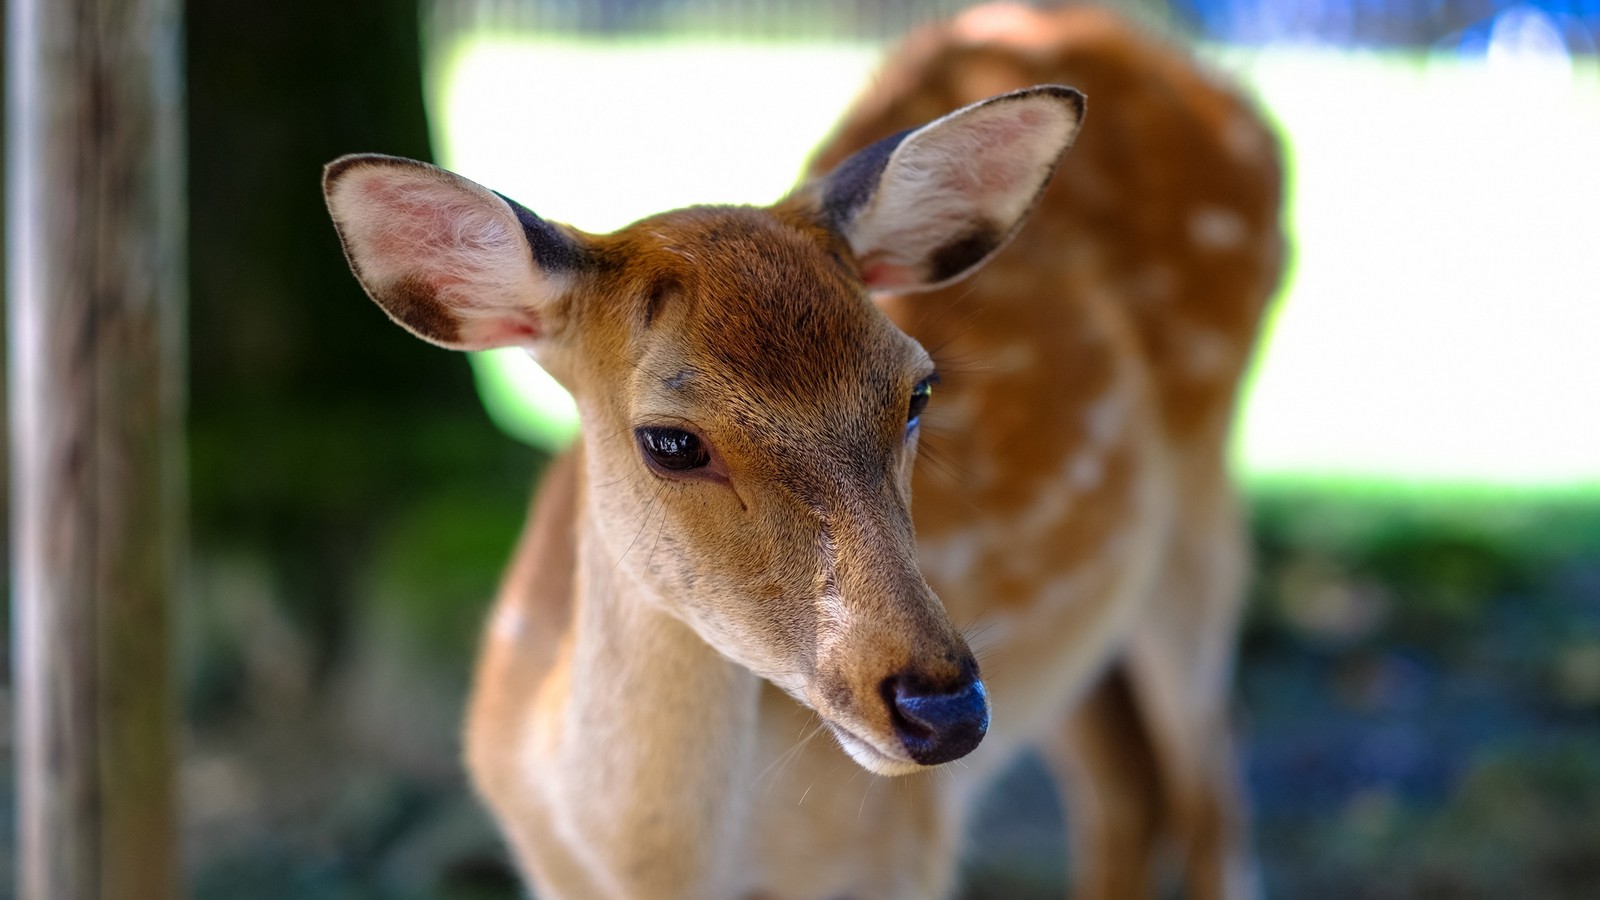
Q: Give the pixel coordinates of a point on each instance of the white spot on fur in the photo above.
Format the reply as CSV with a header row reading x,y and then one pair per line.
x,y
1052,504
1245,140
1207,353
1217,228
1104,419
1016,357
950,560
956,412
1064,589
1087,470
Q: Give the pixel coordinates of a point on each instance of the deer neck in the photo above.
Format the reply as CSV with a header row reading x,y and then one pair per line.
x,y
664,719
625,634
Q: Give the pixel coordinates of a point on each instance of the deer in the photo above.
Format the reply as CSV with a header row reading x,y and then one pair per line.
x,y
727,659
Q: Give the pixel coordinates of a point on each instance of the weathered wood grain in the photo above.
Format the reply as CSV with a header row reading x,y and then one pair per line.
x,y
95,284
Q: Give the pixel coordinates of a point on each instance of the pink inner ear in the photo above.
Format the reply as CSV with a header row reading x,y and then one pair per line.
x,y
446,258
432,226
396,234
1002,166
506,330
882,275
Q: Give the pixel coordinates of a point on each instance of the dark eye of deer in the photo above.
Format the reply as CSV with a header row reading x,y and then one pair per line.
x,y
919,401
672,449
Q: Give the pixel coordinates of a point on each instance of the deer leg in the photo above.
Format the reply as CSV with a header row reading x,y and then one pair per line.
x,y
1180,667
1110,780
1202,799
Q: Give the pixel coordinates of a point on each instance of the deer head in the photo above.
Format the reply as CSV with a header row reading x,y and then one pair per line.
x,y
750,416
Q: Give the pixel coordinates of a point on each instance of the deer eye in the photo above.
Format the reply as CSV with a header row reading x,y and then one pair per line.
x,y
672,449
919,400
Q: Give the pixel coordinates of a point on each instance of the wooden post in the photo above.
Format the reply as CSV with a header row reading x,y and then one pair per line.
x,y
94,271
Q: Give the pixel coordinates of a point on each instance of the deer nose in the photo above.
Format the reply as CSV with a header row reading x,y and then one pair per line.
x,y
937,723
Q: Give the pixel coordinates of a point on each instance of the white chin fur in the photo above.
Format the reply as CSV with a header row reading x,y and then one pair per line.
x,y
871,758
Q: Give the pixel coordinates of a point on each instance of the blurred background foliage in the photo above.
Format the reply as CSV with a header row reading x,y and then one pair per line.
x,y
1420,677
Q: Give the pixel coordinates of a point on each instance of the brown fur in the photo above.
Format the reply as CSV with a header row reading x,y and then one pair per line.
x,y
634,723
416,305
1106,293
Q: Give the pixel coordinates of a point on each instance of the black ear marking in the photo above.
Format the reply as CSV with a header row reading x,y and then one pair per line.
x,y
853,183
964,252
414,302
552,249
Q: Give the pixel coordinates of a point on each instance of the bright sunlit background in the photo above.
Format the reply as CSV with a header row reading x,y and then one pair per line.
x,y
1440,325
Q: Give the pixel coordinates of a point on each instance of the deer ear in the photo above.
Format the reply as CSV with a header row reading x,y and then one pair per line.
x,y
925,207
451,261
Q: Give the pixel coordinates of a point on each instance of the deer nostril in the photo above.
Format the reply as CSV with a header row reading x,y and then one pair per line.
x,y
937,724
